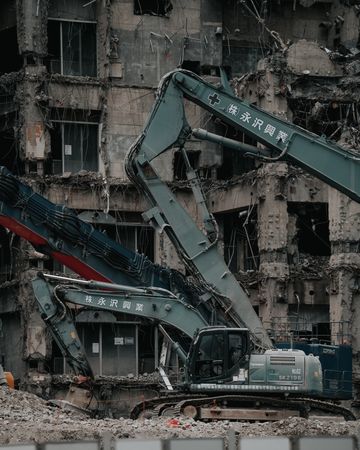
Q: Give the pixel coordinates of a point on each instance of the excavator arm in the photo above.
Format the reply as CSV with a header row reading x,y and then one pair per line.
x,y
55,230
158,305
167,127
329,162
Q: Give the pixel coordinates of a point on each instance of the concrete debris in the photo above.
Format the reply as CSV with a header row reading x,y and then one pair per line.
x,y
27,418
310,267
145,378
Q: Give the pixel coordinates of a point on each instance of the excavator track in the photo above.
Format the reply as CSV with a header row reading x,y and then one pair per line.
x,y
236,407
328,407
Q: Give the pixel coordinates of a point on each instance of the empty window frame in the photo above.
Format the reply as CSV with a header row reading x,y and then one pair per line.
x,y
180,168
72,48
241,250
153,7
233,161
312,228
6,255
74,147
137,237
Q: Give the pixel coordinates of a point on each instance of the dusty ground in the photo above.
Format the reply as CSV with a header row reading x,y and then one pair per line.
x,y
26,418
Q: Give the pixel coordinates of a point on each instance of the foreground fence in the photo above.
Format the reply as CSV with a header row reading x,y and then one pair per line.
x,y
230,443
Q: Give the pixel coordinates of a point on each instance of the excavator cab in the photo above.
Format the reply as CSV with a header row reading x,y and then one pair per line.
x,y
218,354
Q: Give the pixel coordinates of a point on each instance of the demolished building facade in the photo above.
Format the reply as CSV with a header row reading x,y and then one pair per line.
x,y
77,81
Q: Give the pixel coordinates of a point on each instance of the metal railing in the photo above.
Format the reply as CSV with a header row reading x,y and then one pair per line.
x,y
284,329
231,442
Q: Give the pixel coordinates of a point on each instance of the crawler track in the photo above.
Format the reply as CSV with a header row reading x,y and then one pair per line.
x,y
175,405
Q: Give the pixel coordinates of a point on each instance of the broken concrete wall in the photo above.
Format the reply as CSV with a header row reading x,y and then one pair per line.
x,y
146,50
250,30
127,112
344,23
150,45
308,58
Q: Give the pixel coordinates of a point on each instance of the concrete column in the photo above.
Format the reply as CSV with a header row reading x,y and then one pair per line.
x,y
35,139
344,227
345,22
31,23
272,242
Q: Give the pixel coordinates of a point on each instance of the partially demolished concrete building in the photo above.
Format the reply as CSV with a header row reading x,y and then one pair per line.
x,y
77,81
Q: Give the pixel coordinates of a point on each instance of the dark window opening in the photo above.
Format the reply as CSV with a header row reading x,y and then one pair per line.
x,y
193,66
74,147
9,151
33,364
134,237
234,162
312,227
128,230
241,250
11,61
180,165
146,349
32,166
153,7
213,71
337,42
6,268
58,362
72,48
31,60
242,58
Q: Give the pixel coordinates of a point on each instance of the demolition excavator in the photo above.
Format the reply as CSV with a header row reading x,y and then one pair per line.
x,y
230,361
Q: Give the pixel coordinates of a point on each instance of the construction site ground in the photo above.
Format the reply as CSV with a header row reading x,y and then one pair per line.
x,y
26,418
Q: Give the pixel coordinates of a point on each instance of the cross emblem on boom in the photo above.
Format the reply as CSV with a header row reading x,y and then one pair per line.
x,y
213,99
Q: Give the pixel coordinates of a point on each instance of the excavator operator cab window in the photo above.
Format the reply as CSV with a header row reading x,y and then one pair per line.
x,y
218,352
236,349
210,354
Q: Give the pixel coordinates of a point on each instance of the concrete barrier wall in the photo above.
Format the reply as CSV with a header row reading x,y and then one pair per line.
x,y
270,443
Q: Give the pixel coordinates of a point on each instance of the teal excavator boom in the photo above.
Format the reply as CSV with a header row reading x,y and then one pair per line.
x,y
167,127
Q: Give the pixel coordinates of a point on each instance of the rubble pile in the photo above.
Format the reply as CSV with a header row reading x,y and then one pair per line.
x,y
27,418
146,378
